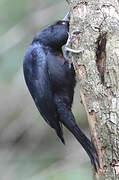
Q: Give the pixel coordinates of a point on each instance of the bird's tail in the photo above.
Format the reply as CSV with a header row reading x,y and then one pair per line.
x,y
87,145
67,118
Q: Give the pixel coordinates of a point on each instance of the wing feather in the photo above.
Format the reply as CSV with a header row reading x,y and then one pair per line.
x,y
38,82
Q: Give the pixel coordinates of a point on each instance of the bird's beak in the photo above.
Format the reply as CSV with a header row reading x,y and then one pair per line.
x,y
67,17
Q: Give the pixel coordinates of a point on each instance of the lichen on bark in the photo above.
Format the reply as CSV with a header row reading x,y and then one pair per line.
x,y
97,69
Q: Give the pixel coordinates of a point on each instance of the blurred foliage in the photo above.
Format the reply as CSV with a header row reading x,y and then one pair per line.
x,y
29,149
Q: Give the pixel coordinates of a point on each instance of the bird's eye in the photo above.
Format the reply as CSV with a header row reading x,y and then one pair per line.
x,y
63,22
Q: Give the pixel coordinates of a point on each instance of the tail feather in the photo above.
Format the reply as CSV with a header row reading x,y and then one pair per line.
x,y
59,132
67,118
87,145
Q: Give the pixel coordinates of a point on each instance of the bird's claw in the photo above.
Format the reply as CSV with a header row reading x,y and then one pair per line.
x,y
73,50
67,48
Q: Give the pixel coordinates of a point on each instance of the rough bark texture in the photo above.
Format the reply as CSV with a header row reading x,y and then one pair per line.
x,y
97,68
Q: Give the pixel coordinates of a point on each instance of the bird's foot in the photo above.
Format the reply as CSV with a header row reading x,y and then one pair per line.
x,y
69,50
74,51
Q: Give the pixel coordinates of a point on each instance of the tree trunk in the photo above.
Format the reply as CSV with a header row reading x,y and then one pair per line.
x,y
97,69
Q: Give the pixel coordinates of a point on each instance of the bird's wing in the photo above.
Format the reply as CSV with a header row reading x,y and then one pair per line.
x,y
38,82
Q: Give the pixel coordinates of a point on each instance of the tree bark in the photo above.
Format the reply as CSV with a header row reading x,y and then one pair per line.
x,y
97,69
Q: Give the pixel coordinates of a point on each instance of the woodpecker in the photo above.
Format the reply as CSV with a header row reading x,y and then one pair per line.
x,y
51,82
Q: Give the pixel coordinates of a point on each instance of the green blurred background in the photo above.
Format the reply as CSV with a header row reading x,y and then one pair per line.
x,y
29,149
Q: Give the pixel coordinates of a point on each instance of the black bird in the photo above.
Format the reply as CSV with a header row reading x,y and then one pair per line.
x,y
51,81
